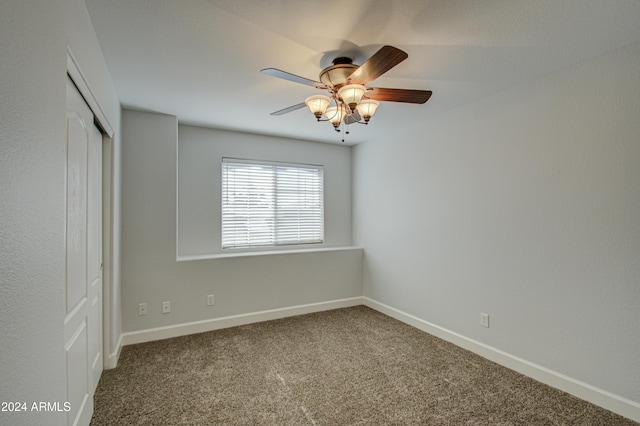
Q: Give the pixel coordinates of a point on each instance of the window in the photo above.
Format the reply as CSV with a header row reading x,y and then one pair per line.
x,y
270,204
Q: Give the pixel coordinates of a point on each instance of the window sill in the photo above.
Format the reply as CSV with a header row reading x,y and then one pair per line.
x,y
262,253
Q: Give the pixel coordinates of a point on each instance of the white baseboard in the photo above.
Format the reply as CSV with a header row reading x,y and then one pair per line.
x,y
599,397
233,321
112,358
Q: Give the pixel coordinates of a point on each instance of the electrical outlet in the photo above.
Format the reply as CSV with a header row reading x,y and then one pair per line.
x,y
142,308
484,320
210,300
166,307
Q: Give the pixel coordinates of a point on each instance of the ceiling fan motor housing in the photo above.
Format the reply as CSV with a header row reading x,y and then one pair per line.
x,y
336,75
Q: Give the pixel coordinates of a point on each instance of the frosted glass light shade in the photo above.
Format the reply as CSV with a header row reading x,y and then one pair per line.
x,y
367,108
352,94
318,104
335,114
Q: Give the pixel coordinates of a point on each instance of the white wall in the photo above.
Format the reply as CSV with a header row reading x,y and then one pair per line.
x,y
200,153
150,272
33,45
32,206
524,205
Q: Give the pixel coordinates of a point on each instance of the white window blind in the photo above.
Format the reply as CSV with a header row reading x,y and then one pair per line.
x,y
268,204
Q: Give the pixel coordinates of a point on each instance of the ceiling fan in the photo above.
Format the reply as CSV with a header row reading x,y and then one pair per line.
x,y
349,101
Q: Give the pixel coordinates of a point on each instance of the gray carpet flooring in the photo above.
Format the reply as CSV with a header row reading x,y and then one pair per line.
x,y
351,366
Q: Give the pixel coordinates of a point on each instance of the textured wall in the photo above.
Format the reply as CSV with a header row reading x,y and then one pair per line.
x,y
32,207
150,272
34,37
200,153
526,206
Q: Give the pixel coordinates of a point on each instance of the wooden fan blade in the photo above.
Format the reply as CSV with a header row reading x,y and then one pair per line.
x,y
381,61
273,72
291,108
398,95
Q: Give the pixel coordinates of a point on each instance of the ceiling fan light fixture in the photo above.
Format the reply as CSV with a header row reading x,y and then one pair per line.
x,y
336,114
352,94
367,108
318,104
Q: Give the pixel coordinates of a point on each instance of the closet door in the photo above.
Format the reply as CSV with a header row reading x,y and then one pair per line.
x,y
83,301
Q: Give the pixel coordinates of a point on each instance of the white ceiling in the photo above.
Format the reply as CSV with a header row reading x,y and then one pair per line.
x,y
200,60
